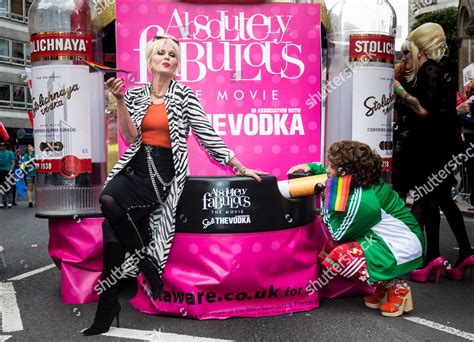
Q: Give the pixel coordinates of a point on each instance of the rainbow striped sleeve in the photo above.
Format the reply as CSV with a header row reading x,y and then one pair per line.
x,y
337,193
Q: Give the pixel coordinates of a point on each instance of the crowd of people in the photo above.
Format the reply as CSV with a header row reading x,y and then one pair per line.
x,y
10,161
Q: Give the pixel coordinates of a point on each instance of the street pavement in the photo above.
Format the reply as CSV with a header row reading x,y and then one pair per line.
x,y
443,312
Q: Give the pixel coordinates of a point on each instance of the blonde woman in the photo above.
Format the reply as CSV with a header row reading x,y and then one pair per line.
x,y
434,145
142,190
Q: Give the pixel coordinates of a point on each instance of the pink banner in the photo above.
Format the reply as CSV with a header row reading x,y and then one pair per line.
x,y
217,276
252,67
253,274
75,245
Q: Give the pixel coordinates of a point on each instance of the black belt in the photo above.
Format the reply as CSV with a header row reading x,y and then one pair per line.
x,y
160,151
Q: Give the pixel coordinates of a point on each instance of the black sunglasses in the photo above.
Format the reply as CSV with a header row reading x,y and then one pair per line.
x,y
405,52
155,38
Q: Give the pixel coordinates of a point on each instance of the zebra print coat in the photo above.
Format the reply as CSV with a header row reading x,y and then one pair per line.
x,y
184,113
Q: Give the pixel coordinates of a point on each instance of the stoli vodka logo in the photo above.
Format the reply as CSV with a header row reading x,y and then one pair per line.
x,y
52,45
385,104
245,42
218,199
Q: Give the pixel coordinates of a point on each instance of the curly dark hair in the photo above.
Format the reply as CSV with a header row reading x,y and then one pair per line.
x,y
356,159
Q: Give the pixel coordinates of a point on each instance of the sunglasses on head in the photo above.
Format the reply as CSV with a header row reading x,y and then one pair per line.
x,y
155,38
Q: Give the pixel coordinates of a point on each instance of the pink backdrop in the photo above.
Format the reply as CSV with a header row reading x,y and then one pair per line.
x,y
279,57
252,79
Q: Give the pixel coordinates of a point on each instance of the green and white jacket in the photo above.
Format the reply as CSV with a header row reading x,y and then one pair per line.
x,y
380,222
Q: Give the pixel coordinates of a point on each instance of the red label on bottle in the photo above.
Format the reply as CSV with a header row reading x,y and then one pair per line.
x,y
68,166
60,46
371,47
387,164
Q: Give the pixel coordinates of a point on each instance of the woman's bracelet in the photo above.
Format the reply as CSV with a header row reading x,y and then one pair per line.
x,y
399,89
240,172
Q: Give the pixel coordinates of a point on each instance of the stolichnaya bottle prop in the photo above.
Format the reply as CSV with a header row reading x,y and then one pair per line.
x,y
68,108
360,94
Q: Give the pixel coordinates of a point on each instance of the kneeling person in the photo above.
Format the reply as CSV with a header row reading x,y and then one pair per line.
x,y
375,238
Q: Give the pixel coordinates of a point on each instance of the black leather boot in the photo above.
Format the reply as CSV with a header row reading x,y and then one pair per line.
x,y
133,234
108,307
134,239
150,270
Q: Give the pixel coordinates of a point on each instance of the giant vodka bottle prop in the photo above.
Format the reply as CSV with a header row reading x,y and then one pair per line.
x,y
360,94
68,108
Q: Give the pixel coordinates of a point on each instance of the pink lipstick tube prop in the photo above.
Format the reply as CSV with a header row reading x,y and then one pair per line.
x,y
299,187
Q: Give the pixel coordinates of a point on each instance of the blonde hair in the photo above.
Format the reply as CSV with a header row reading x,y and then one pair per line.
x,y
154,45
428,37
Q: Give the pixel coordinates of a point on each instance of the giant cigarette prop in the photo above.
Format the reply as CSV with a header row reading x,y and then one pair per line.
x,y
299,187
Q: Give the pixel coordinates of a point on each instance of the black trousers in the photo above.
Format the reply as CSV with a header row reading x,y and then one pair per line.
x,y
129,198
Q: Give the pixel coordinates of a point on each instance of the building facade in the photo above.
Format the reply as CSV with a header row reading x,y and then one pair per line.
x,y
465,34
15,97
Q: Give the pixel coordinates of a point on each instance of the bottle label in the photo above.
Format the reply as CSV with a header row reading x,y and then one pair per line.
x,y
49,46
371,47
62,119
373,101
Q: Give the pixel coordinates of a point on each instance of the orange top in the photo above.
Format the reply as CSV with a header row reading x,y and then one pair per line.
x,y
155,129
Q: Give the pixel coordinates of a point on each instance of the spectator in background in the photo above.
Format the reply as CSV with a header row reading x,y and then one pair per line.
x,y
16,165
7,161
466,121
28,166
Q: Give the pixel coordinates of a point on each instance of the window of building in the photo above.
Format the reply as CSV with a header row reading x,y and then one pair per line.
x,y
14,52
27,7
3,8
14,96
18,52
4,50
5,95
17,10
19,96
27,53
